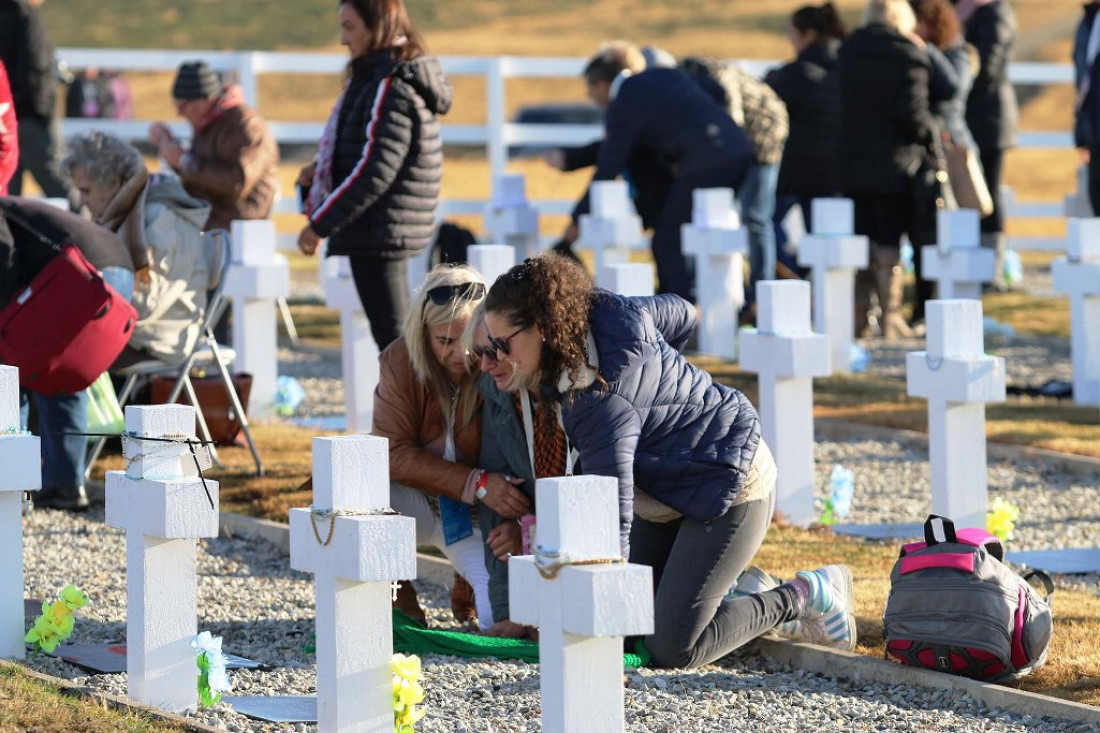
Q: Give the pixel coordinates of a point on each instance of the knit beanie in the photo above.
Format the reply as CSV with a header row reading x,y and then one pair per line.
x,y
195,80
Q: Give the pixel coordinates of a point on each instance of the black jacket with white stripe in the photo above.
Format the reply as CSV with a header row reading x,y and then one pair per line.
x,y
388,159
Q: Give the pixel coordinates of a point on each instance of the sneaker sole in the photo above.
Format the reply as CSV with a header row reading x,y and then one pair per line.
x,y
849,617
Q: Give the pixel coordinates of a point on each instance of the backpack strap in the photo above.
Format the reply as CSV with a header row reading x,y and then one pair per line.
x,y
938,529
1048,584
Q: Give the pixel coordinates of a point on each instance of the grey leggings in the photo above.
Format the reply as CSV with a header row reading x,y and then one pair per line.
x,y
694,564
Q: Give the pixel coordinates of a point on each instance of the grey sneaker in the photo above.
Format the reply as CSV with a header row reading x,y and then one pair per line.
x,y
828,619
754,581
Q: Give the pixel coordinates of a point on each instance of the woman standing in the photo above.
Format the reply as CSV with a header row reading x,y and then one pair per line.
x,y
374,185
991,111
696,482
886,133
810,87
427,406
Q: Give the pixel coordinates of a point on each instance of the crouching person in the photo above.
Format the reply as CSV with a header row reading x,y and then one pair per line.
x,y
428,407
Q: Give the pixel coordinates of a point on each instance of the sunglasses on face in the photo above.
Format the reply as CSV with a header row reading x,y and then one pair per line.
x,y
444,294
498,345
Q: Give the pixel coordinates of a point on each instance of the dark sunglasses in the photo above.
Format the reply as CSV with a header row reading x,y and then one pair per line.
x,y
497,345
444,294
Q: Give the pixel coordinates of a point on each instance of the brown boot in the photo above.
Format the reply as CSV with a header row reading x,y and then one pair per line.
x,y
407,603
462,600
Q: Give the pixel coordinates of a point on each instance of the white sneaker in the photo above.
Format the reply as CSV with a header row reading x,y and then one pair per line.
x,y
754,581
828,619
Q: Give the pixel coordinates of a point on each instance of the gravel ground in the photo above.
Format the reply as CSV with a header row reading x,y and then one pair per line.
x,y
243,580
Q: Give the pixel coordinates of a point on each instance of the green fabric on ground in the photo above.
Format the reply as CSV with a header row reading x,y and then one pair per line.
x,y
409,637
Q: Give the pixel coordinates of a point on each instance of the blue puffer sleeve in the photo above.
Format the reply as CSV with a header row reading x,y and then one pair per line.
x,y
673,316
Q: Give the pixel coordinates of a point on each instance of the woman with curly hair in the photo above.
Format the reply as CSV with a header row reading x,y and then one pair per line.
x,y
427,406
696,481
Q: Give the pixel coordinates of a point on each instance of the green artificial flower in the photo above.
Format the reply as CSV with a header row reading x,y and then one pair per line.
x,y
1001,519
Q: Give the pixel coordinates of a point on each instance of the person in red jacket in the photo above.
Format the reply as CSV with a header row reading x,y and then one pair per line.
x,y
9,139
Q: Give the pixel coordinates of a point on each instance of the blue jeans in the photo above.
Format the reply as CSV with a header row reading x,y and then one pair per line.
x,y
121,279
757,209
62,455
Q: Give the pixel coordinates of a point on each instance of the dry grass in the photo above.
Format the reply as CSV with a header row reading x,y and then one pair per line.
x,y
1072,671
31,705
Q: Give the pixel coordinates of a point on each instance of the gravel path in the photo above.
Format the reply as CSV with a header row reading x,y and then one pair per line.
x,y
263,610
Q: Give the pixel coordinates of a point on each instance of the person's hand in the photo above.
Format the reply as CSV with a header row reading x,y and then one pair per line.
x,y
308,240
171,151
571,233
305,176
158,133
506,629
1086,155
504,498
555,159
141,278
505,540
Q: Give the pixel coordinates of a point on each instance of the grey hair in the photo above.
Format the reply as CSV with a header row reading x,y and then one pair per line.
x,y
106,159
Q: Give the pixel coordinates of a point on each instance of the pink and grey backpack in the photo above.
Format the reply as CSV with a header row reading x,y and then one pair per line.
x,y
955,607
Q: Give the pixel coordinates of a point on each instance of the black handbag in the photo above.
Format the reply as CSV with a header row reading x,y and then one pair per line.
x,y
931,188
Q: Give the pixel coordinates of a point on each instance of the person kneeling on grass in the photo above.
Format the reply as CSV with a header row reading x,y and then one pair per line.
x,y
696,481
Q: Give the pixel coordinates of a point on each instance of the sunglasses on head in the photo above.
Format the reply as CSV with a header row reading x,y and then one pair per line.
x,y
497,346
444,294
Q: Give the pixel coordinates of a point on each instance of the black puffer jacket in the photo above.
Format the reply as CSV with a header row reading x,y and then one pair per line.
x,y
28,57
885,117
810,87
661,423
388,160
991,111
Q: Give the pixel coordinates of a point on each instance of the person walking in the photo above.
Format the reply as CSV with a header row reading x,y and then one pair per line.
x,y
1086,47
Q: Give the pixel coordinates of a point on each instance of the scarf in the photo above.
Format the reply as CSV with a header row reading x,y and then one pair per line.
x,y
124,216
321,186
966,8
322,173
228,98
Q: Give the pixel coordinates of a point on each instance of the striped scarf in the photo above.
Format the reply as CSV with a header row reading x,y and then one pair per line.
x,y
549,442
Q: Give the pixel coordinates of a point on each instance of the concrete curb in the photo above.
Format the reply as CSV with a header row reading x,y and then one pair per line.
x,y
819,660
833,429
112,702
859,668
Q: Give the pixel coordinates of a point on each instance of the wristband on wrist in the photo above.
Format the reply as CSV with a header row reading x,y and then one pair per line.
x,y
482,482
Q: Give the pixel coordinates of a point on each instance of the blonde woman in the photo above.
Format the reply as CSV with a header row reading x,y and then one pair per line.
x,y
428,406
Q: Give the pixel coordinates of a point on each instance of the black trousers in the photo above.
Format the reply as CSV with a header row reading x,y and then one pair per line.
x,y
993,161
1094,179
383,287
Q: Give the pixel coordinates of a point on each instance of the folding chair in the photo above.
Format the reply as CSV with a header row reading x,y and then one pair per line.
x,y
206,351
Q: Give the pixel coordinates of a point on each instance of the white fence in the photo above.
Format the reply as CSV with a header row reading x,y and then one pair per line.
x,y
496,135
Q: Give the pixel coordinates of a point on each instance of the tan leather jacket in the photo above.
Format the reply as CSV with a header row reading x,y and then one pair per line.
x,y
233,164
408,415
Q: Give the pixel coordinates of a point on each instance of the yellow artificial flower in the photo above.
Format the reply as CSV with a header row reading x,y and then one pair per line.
x,y
1001,519
407,692
73,597
55,624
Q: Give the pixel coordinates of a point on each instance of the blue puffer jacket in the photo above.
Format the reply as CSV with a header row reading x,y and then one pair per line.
x,y
660,423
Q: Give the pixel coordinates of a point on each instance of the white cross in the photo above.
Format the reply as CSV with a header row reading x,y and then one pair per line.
x,y
787,355
584,611
21,457
612,228
159,500
491,260
510,219
628,278
957,262
354,560
1078,276
719,244
257,277
957,379
834,253
358,349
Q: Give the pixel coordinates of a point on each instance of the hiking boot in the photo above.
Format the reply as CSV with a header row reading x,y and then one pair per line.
x,y
828,619
462,600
